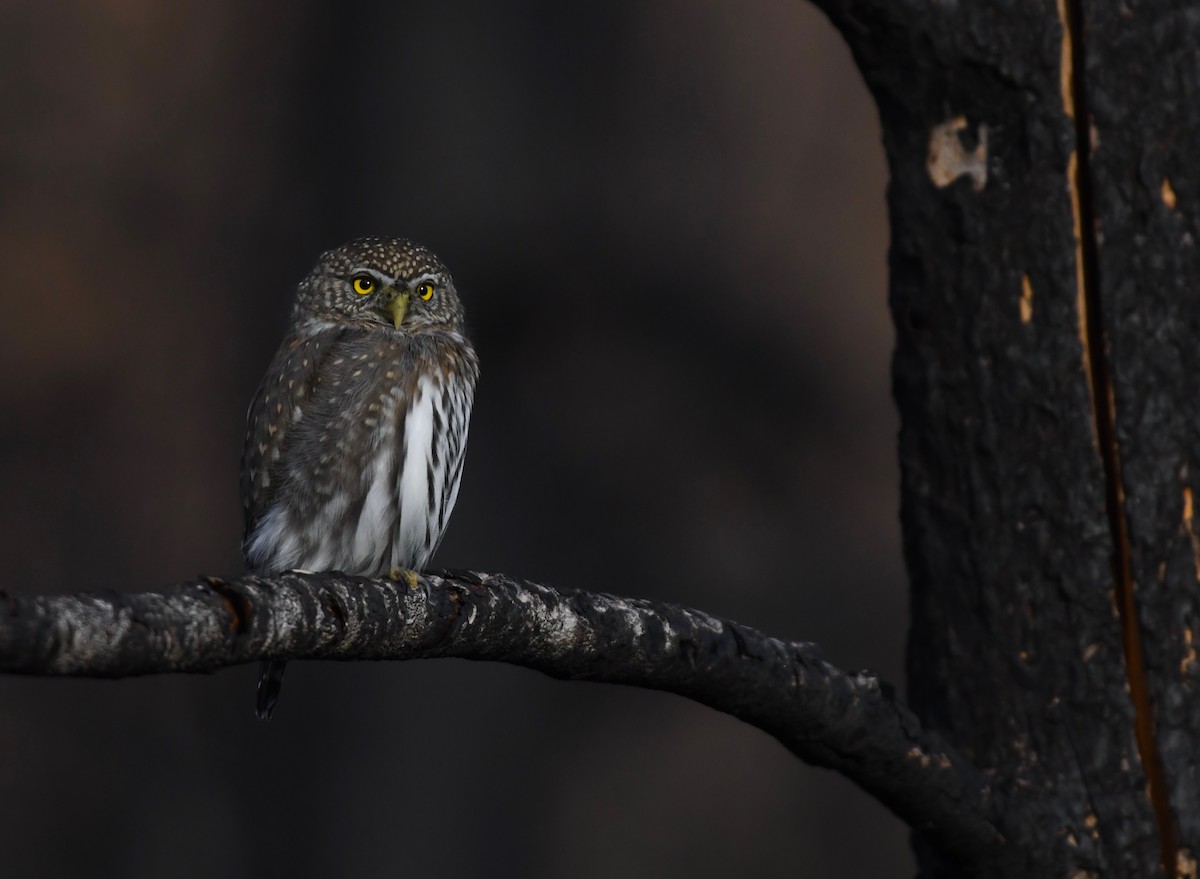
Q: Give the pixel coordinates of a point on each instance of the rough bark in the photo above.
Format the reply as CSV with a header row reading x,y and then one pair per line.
x,y
827,717
1142,91
1019,254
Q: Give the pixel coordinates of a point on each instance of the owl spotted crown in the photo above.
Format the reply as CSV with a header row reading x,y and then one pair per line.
x,y
381,280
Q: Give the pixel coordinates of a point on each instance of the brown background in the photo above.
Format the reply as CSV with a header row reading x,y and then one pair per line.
x,y
667,223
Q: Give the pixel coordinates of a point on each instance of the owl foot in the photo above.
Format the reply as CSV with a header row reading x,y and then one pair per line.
x,y
408,577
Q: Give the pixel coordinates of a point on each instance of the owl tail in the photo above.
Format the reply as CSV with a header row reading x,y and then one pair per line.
x,y
269,682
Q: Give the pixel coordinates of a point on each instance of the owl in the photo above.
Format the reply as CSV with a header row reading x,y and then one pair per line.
x,y
356,437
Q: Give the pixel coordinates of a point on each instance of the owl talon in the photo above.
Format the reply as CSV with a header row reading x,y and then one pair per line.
x,y
408,577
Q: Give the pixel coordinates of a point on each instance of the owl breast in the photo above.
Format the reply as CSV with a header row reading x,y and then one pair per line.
x,y
371,469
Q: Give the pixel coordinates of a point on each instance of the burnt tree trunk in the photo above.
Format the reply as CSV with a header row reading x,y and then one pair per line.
x,y
1043,270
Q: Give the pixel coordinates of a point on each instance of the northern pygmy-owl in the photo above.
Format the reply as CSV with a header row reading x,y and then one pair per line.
x,y
355,439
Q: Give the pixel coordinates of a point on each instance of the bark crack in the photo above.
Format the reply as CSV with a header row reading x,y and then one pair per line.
x,y
1105,419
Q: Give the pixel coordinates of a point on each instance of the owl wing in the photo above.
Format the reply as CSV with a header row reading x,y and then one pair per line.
x,y
280,402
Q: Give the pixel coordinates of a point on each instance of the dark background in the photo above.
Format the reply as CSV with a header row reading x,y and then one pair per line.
x,y
667,223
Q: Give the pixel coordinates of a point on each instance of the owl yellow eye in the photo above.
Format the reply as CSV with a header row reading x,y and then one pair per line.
x,y
425,291
364,285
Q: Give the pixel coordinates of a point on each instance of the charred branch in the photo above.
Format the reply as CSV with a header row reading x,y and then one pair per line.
x,y
849,722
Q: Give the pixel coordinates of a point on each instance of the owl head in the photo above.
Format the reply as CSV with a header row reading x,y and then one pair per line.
x,y
389,282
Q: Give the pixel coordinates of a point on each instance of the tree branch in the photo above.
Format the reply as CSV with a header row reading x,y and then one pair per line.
x,y
848,722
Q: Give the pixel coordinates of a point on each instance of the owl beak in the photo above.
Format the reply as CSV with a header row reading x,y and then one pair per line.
x,y
398,307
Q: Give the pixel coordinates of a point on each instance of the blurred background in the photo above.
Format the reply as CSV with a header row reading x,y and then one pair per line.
x,y
667,223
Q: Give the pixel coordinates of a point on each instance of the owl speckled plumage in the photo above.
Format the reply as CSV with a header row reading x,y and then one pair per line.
x,y
355,439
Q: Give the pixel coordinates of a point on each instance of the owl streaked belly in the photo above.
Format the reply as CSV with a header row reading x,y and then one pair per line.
x,y
384,507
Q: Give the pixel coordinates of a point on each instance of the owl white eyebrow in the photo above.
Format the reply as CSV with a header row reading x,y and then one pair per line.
x,y
378,276
428,276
